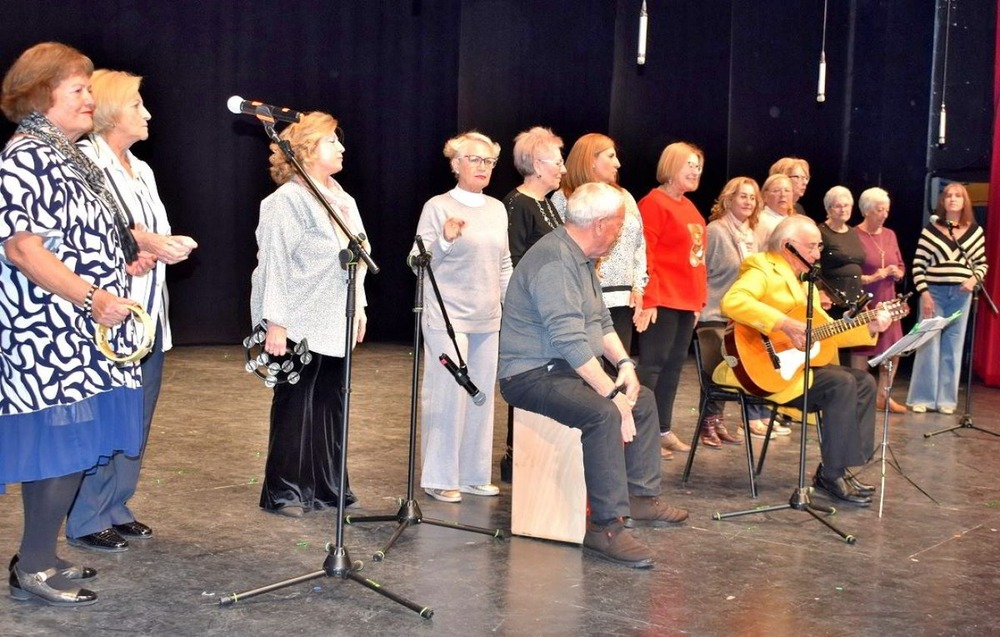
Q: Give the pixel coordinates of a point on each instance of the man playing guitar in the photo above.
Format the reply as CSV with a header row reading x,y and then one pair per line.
x,y
765,304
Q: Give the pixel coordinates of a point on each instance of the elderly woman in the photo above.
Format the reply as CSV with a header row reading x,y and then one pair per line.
x,y
62,276
465,232
100,518
945,282
623,276
882,268
677,289
300,290
842,255
797,170
730,240
531,216
778,204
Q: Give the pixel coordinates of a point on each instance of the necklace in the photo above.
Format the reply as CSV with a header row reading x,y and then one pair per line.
x,y
877,244
549,213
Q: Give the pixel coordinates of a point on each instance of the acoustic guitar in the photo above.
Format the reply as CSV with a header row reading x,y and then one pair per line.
x,y
766,365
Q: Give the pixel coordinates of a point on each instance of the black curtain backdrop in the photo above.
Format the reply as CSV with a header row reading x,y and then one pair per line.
x,y
736,77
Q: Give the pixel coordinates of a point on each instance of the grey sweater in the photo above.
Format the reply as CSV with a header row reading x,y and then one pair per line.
x,y
553,309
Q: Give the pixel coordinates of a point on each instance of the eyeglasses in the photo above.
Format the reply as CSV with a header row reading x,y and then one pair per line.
x,y
476,160
695,166
559,163
803,178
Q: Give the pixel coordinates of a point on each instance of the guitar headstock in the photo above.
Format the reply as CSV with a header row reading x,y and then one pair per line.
x,y
898,307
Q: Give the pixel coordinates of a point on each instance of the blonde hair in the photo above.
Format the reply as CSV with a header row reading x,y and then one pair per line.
x,y
30,81
786,165
304,137
112,91
455,147
728,195
673,158
528,143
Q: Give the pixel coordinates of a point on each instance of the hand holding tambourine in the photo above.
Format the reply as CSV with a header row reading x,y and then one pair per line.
x,y
108,311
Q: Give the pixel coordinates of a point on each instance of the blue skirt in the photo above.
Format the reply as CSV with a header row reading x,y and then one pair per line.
x,y
65,439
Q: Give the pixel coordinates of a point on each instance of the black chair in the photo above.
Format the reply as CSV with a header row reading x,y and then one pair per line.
x,y
813,411
711,391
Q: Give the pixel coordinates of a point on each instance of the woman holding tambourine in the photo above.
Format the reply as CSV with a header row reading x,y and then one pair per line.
x,y
64,406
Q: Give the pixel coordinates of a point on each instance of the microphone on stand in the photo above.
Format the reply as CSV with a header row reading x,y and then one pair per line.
x,y
237,105
944,222
461,375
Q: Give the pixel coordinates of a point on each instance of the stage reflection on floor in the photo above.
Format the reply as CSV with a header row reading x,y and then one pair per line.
x,y
928,566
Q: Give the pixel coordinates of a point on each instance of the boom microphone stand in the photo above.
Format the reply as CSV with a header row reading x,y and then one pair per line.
x,y
409,513
800,499
965,422
338,563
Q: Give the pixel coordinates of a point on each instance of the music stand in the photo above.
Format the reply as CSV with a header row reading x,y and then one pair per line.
x,y
910,343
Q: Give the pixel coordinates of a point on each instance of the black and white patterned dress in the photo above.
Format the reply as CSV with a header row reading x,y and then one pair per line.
x,y
59,396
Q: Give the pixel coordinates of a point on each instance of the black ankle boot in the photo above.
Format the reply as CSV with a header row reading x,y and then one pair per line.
x,y
507,466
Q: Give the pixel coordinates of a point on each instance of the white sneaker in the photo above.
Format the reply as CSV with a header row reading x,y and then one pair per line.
x,y
918,409
480,489
444,495
947,411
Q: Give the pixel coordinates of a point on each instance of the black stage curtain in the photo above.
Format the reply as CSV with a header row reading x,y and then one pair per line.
x,y
737,78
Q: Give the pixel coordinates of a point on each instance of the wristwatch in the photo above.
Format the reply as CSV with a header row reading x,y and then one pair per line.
x,y
626,361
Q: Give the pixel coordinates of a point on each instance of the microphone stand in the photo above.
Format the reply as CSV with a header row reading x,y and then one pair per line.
x,y
965,422
338,563
800,499
409,513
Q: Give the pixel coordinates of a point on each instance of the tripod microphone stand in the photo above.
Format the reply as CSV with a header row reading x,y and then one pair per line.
x,y
338,563
409,513
800,499
965,422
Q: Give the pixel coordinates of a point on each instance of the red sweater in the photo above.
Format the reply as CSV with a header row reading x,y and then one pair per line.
x,y
675,252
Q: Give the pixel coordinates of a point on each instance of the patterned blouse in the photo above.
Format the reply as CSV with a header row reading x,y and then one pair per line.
x,y
47,352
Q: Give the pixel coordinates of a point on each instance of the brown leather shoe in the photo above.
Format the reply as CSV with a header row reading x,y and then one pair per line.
x,y
615,544
724,435
708,435
896,408
649,510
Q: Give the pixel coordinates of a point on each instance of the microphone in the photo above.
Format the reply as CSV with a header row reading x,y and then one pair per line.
x,y
461,375
944,222
237,105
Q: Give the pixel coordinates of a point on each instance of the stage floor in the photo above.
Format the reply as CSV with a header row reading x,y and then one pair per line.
x,y
928,566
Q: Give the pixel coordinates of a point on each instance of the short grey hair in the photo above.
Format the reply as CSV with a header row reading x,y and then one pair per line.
x,y
592,202
788,228
835,193
871,198
528,144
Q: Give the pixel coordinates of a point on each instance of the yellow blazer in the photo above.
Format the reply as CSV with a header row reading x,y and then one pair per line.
x,y
764,292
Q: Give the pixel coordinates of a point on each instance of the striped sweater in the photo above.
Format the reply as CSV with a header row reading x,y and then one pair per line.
x,y
938,260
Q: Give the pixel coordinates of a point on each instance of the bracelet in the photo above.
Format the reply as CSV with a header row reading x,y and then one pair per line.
x,y
614,392
626,361
88,301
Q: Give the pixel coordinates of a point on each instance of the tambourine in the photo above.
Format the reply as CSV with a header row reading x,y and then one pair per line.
x,y
274,370
146,331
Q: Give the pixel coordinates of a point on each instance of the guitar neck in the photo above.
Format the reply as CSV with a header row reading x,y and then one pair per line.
x,y
839,327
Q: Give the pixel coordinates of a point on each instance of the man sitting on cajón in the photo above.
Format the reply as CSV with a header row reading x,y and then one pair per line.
x,y
769,300
555,329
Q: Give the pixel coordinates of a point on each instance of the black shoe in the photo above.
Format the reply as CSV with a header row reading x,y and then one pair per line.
x,y
507,467
134,529
107,541
839,489
858,485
